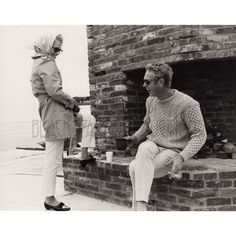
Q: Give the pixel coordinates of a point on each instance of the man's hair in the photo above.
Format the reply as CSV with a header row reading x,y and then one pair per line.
x,y
161,70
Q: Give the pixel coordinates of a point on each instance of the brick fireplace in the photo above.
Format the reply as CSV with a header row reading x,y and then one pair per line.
x,y
203,61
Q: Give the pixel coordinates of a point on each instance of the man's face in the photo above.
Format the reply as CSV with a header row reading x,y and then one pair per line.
x,y
151,84
56,48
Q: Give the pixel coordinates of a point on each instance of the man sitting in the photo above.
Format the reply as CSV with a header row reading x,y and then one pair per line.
x,y
173,131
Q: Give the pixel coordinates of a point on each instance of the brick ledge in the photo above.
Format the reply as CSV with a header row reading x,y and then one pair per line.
x,y
207,184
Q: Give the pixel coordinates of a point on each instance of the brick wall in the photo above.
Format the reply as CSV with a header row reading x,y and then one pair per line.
x,y
200,188
116,52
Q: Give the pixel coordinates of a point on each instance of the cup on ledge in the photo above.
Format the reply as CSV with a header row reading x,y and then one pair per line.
x,y
109,156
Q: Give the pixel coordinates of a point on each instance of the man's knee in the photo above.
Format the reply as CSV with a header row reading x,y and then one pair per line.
x,y
144,146
147,147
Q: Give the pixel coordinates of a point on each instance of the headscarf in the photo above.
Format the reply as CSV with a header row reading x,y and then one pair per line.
x,y
44,43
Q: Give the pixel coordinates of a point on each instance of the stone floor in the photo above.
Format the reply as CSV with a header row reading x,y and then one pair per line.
x,y
20,185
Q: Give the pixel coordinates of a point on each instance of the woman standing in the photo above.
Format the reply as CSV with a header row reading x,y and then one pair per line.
x,y
56,110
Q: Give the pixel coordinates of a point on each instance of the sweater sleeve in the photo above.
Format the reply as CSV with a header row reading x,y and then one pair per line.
x,y
52,83
195,123
144,130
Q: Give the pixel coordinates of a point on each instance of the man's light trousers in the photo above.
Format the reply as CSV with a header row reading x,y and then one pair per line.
x,y
150,162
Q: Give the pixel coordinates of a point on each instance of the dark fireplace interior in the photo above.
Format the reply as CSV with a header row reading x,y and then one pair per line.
x,y
211,82
135,107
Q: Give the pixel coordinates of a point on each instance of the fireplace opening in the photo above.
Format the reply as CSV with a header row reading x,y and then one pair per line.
x,y
137,95
211,82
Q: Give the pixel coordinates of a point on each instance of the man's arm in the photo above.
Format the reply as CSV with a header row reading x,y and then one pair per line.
x,y
195,123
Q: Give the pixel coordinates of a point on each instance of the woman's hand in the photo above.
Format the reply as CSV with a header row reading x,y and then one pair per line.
x,y
76,108
73,105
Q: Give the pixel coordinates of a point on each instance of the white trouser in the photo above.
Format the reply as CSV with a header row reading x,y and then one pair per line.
x,y
88,131
52,160
150,162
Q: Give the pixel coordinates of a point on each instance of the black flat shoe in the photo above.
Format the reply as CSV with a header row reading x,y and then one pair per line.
x,y
83,163
60,207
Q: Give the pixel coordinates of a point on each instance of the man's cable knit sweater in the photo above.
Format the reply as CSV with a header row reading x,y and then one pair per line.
x,y
174,123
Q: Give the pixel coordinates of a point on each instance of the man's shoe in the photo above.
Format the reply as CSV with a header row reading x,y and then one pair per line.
x,y
60,207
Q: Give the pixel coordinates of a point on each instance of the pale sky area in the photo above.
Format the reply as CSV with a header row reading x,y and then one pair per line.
x,y
16,100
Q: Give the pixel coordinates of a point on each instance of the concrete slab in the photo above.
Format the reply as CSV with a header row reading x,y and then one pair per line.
x,y
20,186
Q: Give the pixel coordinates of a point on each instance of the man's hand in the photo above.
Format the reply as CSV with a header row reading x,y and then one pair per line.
x,y
178,163
177,166
132,139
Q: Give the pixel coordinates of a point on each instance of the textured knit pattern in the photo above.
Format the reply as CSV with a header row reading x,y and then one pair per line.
x,y
174,123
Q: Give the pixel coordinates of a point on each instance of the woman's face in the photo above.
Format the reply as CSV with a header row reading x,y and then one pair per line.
x,y
56,48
